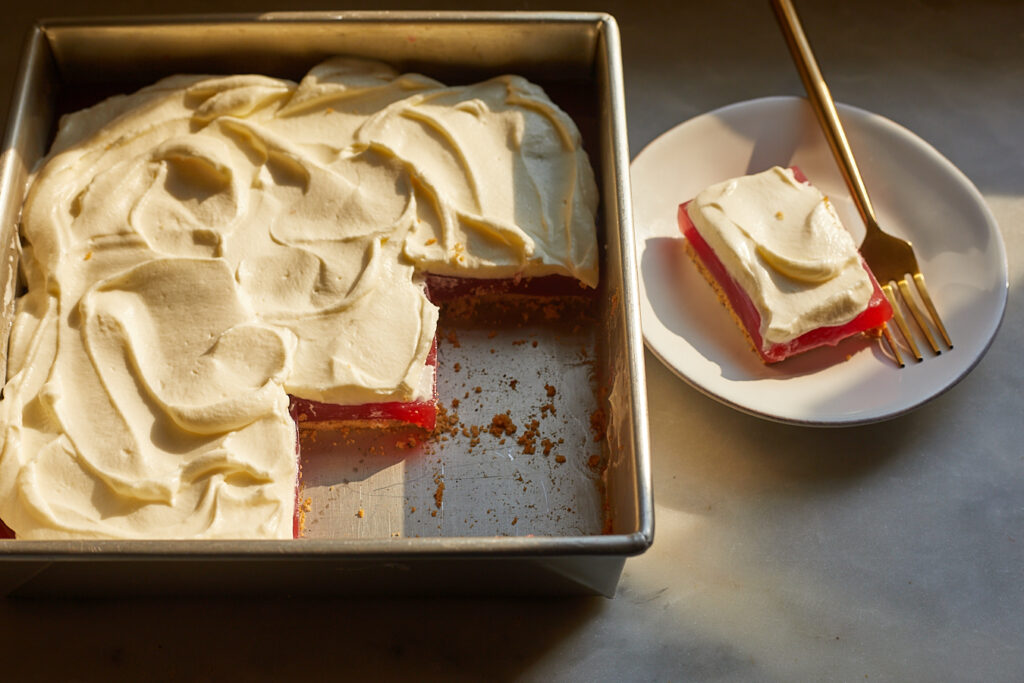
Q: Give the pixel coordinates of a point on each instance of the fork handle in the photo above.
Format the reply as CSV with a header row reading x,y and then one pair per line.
x,y
824,107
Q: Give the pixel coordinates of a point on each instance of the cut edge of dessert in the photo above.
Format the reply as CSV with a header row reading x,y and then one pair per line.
x,y
422,412
746,314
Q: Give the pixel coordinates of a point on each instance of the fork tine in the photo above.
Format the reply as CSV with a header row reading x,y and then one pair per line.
x,y
922,290
892,345
915,311
901,323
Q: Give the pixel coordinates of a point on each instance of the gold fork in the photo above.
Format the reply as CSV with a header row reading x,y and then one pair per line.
x,y
891,259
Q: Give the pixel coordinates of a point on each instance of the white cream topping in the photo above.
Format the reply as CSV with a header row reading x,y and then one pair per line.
x,y
783,243
200,249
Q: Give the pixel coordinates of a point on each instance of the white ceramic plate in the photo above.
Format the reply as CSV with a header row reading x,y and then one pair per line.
x,y
917,193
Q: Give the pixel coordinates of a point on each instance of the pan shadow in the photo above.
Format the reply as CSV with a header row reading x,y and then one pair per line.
x,y
274,640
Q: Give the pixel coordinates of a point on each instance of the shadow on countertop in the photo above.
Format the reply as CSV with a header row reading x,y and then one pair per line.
x,y
281,640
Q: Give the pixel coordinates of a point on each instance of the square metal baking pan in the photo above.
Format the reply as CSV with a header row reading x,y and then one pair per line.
x,y
490,540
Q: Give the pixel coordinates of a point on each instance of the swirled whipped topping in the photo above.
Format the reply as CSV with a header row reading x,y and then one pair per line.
x,y
199,250
781,240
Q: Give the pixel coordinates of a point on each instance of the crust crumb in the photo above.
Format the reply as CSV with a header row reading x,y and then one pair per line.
x,y
599,424
438,492
502,424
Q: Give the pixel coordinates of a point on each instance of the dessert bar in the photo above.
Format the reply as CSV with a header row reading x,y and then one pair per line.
x,y
211,260
779,258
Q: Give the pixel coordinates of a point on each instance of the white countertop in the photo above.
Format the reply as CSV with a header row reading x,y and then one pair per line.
x,y
888,552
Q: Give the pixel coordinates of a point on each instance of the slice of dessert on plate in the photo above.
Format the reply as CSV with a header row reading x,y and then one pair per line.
x,y
774,249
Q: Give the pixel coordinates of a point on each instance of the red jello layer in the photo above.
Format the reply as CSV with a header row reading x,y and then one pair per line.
x,y
878,310
297,516
418,413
